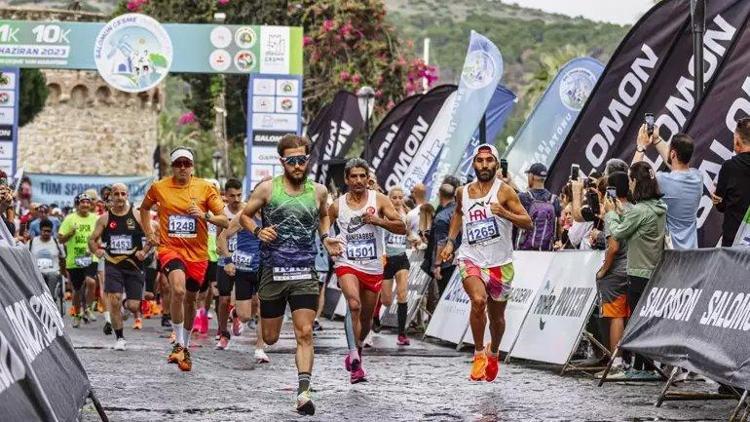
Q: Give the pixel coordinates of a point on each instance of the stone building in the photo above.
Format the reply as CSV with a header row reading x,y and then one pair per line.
x,y
87,127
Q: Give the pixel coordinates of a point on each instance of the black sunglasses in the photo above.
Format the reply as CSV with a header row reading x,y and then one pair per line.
x,y
182,164
295,160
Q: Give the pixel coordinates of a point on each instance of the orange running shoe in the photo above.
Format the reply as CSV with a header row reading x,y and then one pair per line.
x,y
138,324
73,311
493,367
479,367
100,306
177,355
186,364
155,308
146,309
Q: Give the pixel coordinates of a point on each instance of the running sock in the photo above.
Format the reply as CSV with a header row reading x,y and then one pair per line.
x,y
179,332
186,337
304,382
349,330
402,308
118,333
106,317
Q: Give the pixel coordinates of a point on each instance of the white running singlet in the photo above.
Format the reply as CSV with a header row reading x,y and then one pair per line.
x,y
363,244
487,238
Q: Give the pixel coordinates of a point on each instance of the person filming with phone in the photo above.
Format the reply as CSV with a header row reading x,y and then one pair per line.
x,y
682,187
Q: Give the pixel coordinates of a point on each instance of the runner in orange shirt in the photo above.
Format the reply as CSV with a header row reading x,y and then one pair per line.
x,y
186,204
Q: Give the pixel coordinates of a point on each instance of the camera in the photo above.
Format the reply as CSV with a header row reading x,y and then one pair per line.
x,y
611,192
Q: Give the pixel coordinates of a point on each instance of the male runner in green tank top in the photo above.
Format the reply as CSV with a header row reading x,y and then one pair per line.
x,y
293,209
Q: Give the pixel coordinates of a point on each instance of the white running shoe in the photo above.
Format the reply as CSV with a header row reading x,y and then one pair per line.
x,y
261,356
120,344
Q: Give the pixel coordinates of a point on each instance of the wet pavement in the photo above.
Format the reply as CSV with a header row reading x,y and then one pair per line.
x,y
422,382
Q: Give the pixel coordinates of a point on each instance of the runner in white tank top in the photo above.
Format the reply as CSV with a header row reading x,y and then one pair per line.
x,y
362,217
396,267
486,211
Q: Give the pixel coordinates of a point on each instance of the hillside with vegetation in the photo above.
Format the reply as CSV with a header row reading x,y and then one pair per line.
x,y
534,44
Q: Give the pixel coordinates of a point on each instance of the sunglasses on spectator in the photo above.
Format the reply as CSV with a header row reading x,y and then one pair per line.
x,y
295,160
186,164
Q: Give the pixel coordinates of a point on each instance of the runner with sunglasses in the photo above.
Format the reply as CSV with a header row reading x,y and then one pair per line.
x,y
185,205
293,208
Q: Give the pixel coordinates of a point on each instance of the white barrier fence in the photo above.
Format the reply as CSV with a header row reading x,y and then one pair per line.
x,y
553,294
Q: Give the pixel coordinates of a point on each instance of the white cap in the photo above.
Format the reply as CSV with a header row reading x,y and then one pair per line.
x,y
181,153
486,148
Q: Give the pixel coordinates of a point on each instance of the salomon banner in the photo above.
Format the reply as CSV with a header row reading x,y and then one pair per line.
x,y
483,68
650,72
411,143
545,130
712,128
562,307
381,139
530,268
450,320
695,314
501,105
334,134
419,281
41,378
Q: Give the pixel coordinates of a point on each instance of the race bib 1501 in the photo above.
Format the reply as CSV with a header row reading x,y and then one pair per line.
x,y
182,226
361,250
482,231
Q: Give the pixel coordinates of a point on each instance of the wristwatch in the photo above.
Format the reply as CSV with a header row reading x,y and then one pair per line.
x,y
640,149
256,231
207,216
324,236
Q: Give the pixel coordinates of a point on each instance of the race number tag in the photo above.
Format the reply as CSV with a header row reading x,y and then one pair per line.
x,y
291,274
121,244
242,260
396,241
44,263
83,261
212,230
232,243
482,231
182,226
361,250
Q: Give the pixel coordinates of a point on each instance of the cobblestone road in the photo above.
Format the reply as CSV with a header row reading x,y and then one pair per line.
x,y
424,382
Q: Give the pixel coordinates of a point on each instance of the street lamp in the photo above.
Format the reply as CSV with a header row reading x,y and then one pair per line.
x,y
365,100
216,157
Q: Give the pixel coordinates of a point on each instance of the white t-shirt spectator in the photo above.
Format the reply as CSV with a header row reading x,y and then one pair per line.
x,y
47,254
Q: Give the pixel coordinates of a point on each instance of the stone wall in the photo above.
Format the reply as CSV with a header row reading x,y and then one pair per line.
x,y
87,127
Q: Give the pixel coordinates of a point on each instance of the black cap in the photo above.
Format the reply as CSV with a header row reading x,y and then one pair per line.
x,y
538,169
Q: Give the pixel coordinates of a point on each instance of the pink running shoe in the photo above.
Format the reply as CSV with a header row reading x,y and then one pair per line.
x,y
352,359
204,321
358,375
237,325
402,340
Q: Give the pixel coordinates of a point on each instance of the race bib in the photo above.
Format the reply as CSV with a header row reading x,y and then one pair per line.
x,y
182,226
212,229
83,261
44,263
242,260
232,243
291,274
361,250
482,231
121,244
396,241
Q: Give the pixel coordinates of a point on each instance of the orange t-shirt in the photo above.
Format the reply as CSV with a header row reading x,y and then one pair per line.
x,y
178,230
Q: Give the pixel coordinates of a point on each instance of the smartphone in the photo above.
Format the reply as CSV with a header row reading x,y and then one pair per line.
x,y
574,170
649,119
593,200
504,167
611,192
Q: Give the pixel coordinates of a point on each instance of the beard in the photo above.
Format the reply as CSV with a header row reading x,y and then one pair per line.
x,y
296,177
485,175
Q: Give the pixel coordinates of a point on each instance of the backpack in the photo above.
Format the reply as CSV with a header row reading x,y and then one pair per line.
x,y
542,236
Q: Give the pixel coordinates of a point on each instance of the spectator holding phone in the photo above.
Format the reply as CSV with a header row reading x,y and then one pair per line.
x,y
682,187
